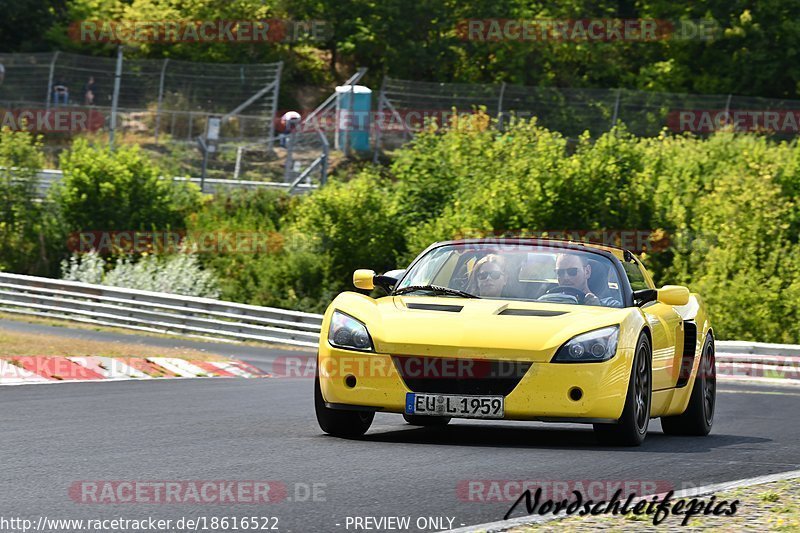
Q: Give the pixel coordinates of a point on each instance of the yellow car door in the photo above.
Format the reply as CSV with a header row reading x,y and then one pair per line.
x,y
667,328
666,325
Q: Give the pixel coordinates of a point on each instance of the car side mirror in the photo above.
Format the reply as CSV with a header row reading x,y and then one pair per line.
x,y
673,295
367,280
364,279
644,296
388,280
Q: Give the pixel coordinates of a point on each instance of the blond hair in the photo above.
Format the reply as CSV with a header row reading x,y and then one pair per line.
x,y
499,260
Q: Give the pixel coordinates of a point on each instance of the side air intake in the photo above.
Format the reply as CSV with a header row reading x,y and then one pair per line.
x,y
689,345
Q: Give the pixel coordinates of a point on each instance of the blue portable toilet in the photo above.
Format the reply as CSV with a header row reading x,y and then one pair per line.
x,y
353,106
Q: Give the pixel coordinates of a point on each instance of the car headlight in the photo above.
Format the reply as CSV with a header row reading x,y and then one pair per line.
x,y
347,332
592,347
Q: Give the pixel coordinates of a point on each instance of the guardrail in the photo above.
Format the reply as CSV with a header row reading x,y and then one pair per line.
x,y
156,312
46,179
233,322
758,361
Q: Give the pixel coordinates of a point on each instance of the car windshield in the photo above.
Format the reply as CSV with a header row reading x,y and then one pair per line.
x,y
528,272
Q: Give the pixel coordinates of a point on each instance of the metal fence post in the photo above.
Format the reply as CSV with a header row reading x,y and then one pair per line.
x,y
289,164
238,166
323,172
50,81
160,96
115,98
500,106
204,170
381,122
275,94
350,120
728,110
616,109
323,178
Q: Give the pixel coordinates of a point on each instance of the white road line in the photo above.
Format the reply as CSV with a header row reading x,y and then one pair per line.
x,y
745,391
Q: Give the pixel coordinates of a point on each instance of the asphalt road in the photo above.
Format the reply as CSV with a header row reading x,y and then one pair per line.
x,y
53,436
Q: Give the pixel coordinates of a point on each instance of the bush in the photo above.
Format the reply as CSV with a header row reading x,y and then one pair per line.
x,y
118,190
520,181
179,273
317,241
353,223
255,215
725,207
731,201
29,236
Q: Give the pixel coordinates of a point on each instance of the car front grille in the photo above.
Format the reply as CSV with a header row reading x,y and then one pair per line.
x,y
460,376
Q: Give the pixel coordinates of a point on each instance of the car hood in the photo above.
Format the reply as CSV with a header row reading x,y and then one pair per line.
x,y
475,328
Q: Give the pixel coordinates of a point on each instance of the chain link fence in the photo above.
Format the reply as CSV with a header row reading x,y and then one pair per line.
x,y
156,97
166,104
308,148
402,106
163,104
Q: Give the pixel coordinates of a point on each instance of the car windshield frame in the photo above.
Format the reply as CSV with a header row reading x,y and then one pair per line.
x,y
626,292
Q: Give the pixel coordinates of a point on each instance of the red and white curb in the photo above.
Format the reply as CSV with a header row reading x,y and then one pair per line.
x,y
25,370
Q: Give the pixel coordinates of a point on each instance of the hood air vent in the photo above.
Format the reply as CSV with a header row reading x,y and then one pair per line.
x,y
530,312
436,307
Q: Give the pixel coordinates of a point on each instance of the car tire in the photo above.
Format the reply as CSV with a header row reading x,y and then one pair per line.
x,y
631,428
338,422
427,421
699,415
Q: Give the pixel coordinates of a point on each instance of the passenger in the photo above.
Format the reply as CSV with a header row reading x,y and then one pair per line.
x,y
489,276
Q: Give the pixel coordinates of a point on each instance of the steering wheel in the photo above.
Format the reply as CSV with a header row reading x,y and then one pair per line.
x,y
564,289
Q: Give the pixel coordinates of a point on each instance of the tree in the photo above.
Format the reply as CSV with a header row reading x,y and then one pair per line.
x,y
25,246
118,190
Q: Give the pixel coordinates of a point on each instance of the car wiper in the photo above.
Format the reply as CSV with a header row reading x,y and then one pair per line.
x,y
436,289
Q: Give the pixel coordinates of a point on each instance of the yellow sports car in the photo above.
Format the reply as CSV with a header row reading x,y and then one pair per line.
x,y
518,329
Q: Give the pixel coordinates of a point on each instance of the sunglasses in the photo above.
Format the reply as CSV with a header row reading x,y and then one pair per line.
x,y
496,274
571,272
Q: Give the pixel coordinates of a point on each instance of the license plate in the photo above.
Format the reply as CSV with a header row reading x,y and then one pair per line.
x,y
454,405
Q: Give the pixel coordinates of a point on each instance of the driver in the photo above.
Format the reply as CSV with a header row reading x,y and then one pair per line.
x,y
573,270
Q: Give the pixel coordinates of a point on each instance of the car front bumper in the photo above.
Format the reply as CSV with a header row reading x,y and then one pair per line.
x,y
356,380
